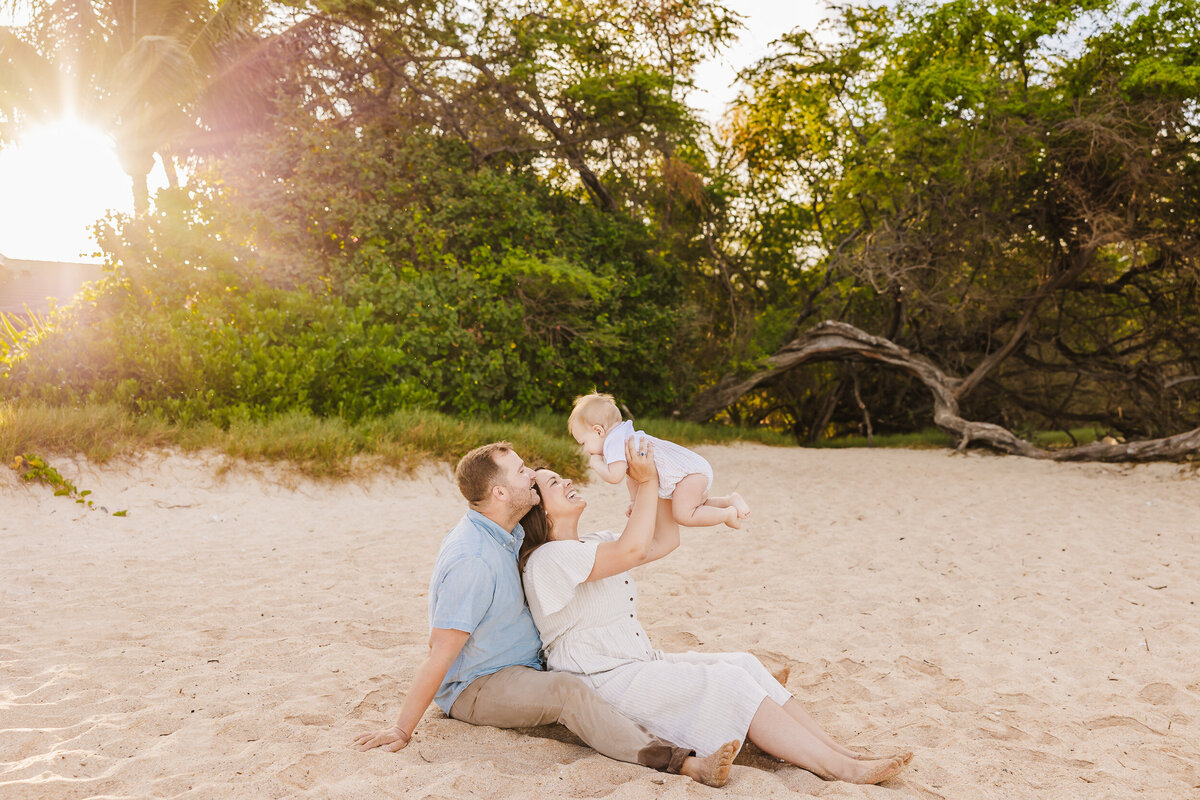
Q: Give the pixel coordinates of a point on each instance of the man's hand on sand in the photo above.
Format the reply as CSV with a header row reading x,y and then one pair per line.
x,y
390,739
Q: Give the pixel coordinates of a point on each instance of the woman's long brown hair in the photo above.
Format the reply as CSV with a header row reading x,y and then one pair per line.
x,y
537,532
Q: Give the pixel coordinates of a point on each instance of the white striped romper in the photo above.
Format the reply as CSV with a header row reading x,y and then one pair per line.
x,y
694,700
674,462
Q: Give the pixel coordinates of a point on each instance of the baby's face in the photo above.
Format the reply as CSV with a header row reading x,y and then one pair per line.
x,y
590,438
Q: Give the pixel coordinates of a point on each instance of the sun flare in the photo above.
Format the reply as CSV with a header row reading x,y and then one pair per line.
x,y
55,181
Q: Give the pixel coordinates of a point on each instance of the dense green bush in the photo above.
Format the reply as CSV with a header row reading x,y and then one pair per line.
x,y
506,294
392,299
203,338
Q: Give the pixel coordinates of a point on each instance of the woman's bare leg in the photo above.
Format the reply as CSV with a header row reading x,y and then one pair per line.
x,y
689,505
778,733
797,712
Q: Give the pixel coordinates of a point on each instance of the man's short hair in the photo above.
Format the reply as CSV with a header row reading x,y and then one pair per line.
x,y
477,472
596,408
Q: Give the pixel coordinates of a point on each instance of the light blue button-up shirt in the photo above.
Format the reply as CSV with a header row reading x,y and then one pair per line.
x,y
476,588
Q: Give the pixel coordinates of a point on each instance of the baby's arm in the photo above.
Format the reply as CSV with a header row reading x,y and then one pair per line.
x,y
632,486
611,473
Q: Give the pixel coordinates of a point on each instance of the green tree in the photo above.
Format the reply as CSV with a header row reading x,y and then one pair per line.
x,y
510,295
591,93
1015,188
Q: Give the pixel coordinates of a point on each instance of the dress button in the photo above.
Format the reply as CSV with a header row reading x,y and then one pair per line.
x,y
631,616
627,581
631,599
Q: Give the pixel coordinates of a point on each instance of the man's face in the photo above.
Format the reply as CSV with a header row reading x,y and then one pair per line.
x,y
518,480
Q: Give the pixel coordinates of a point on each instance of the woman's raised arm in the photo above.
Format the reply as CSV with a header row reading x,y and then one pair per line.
x,y
636,542
666,532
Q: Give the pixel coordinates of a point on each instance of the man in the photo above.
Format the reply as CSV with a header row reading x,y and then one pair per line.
x,y
484,665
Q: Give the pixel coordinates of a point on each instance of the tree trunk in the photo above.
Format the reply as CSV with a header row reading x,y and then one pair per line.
x,y
838,341
828,406
168,162
141,194
535,110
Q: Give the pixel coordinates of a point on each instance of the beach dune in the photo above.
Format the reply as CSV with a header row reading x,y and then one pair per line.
x,y
1029,629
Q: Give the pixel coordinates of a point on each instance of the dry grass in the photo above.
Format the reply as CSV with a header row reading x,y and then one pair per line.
x,y
315,446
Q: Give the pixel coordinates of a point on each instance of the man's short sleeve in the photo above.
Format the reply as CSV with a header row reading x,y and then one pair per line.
x,y
555,570
463,596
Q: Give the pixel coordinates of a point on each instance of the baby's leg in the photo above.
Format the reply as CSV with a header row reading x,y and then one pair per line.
x,y
732,499
689,507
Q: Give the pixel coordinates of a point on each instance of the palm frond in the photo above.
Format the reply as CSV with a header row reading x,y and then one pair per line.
x,y
240,89
159,75
73,35
21,11
18,332
156,70
232,20
30,85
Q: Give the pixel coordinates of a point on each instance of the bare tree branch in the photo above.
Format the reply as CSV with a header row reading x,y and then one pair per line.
x,y
838,341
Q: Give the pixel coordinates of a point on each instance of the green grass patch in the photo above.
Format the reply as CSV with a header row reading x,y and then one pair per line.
x,y
691,433
1055,440
330,447
100,432
321,447
935,438
924,439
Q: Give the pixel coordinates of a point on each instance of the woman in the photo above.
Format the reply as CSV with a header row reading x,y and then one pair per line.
x,y
583,601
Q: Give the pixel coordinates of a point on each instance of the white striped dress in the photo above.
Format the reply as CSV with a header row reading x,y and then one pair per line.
x,y
674,462
694,700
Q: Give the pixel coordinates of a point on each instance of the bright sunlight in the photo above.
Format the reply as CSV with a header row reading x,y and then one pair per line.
x,y
55,181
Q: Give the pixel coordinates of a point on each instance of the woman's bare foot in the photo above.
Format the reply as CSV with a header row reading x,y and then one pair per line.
x,y
712,770
903,756
876,771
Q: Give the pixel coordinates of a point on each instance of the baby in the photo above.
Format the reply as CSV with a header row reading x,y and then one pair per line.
x,y
683,476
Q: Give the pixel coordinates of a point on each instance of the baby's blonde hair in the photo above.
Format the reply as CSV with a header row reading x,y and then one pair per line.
x,y
596,408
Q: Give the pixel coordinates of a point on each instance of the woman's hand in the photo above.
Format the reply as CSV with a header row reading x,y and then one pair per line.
x,y
639,455
390,739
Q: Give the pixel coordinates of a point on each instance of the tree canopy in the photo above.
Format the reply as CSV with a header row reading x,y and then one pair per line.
x,y
507,204
1011,191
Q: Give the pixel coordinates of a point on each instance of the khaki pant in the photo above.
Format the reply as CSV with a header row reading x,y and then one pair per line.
x,y
522,697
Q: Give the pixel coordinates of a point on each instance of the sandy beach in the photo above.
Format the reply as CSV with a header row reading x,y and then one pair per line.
x,y
1029,629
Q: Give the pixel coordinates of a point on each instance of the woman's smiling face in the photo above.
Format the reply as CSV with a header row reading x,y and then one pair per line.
x,y
559,496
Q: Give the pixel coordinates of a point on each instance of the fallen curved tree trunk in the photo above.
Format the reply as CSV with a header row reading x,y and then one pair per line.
x,y
837,341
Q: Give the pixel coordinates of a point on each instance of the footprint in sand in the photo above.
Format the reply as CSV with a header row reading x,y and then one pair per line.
x,y
1159,693
305,773
374,703
1116,721
922,667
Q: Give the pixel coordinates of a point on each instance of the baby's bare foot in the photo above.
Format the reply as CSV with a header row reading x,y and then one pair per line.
x,y
743,510
732,519
712,770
